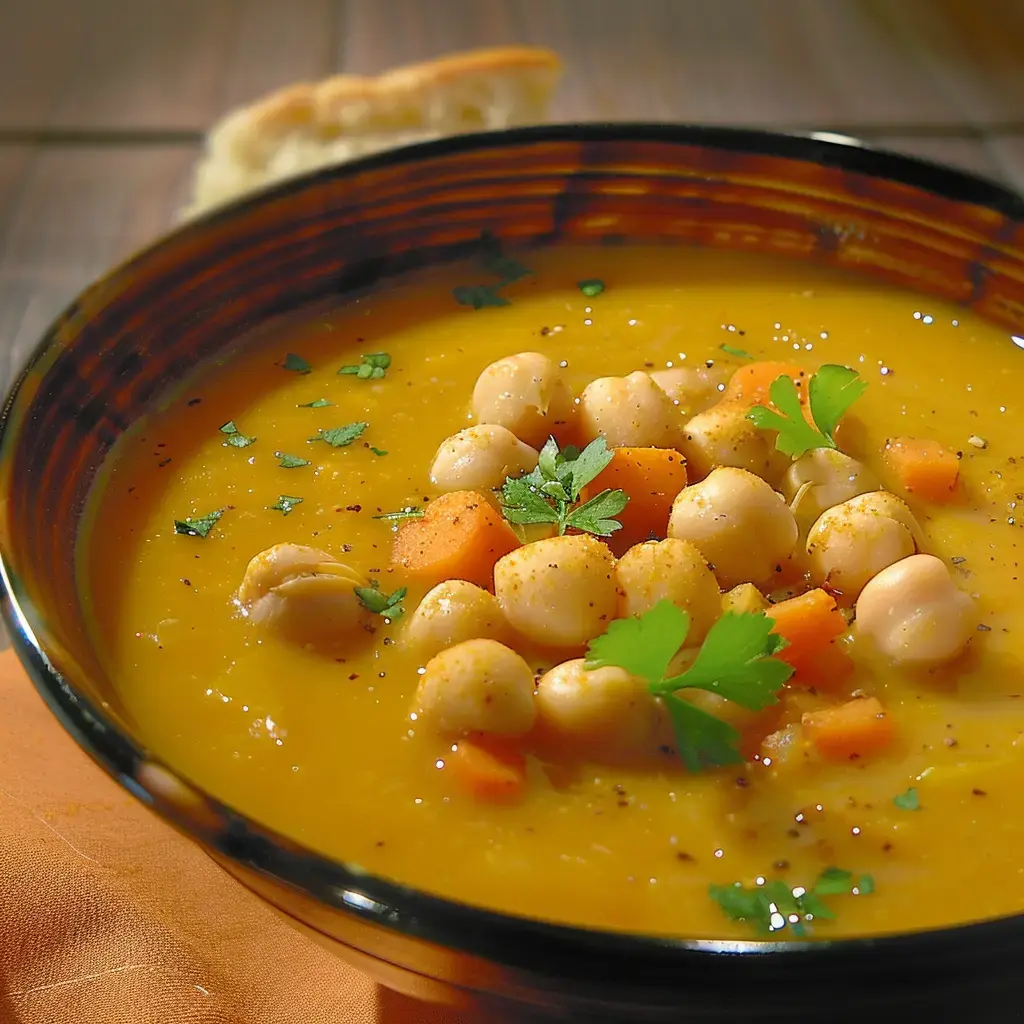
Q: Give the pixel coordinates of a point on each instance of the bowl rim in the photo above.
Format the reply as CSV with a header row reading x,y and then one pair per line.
x,y
524,943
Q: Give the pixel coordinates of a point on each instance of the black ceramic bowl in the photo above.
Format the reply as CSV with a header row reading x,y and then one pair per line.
x,y
136,331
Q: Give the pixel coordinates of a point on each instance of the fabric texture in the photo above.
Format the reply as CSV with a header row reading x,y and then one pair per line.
x,y
108,916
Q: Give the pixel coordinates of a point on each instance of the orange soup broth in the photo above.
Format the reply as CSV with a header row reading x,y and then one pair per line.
x,y
324,750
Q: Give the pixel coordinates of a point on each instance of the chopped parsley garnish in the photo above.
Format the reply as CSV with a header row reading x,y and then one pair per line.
x,y
548,494
320,403
199,526
591,286
908,801
286,502
731,350
290,461
479,296
507,269
373,366
735,661
389,605
831,391
378,451
296,363
409,512
235,437
340,437
774,905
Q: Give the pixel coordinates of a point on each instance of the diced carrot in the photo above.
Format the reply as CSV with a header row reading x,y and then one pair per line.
x,y
490,772
848,731
826,670
751,383
923,468
652,477
810,622
460,537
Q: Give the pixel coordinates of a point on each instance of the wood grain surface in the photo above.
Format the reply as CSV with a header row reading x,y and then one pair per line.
x,y
103,102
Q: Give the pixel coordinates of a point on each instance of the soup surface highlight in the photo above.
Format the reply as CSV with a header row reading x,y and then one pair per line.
x,y
877,795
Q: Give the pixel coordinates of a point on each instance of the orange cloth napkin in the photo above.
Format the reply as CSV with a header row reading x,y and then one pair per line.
x,y
107,916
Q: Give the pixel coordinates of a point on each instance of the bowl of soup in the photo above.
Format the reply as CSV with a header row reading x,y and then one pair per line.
x,y
570,569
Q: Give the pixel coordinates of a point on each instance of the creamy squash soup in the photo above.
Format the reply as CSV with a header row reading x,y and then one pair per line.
x,y
666,590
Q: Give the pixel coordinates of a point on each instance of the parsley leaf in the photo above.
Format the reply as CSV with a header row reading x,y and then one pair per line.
x,y
409,512
507,268
831,391
374,601
591,286
200,526
320,403
479,296
597,515
373,366
735,661
772,906
908,801
547,494
378,451
340,437
740,353
702,739
235,437
290,461
296,363
286,502
642,646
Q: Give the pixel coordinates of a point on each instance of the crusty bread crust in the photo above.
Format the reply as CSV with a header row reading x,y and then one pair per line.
x,y
311,124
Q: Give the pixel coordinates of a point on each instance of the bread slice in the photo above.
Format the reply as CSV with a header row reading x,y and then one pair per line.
x,y
312,124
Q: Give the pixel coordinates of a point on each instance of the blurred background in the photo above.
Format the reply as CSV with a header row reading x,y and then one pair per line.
x,y
104,103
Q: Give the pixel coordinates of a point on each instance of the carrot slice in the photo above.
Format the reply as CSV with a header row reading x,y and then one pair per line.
x,y
848,731
825,670
460,537
751,383
488,772
652,477
923,468
810,622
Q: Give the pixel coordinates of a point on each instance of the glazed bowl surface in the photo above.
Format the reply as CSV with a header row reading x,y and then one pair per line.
x,y
126,339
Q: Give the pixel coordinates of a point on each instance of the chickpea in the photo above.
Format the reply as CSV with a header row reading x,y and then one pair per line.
x,y
558,592
479,458
669,570
744,599
526,394
477,686
691,389
822,478
630,411
739,524
305,595
856,539
914,613
450,613
723,436
605,713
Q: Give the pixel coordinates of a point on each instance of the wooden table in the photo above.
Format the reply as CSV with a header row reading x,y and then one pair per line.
x,y
103,103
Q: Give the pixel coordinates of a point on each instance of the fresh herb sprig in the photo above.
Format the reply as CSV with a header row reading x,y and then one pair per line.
x,y
736,661
775,905
290,461
372,366
551,493
831,392
409,512
296,364
388,605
